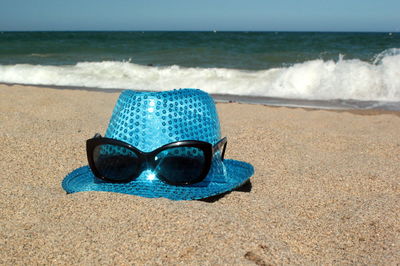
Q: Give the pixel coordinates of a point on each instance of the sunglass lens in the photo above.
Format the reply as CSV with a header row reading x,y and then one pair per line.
x,y
115,162
180,165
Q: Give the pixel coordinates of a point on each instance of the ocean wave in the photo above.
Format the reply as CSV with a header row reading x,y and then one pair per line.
x,y
316,79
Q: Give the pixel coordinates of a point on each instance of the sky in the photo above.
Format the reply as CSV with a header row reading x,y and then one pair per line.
x,y
220,15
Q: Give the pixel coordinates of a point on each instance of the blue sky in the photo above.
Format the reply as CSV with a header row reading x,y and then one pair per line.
x,y
256,15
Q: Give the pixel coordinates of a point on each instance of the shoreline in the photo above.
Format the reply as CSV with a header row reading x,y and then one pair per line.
x,y
331,105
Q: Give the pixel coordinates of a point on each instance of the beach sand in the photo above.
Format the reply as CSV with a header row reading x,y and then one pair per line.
x,y
326,189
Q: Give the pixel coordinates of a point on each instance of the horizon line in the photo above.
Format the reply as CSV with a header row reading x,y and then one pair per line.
x,y
214,30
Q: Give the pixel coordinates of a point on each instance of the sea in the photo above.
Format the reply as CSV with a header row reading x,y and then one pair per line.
x,y
334,70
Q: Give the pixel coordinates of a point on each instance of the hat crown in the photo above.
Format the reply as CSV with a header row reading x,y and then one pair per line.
x,y
148,120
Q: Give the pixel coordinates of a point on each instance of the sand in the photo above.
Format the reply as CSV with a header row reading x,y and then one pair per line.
x,y
326,189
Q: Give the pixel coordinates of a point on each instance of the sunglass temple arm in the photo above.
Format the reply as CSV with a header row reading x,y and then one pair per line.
x,y
222,143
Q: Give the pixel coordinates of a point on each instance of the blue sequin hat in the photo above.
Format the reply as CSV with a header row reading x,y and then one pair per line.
x,y
149,120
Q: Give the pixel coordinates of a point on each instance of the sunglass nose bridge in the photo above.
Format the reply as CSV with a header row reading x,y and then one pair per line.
x,y
149,161
148,168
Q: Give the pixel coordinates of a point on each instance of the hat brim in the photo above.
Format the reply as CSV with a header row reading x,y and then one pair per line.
x,y
237,173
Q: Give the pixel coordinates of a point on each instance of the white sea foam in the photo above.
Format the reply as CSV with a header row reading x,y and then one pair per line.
x,y
316,79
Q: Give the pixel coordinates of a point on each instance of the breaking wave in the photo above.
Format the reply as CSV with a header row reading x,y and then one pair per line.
x,y
316,79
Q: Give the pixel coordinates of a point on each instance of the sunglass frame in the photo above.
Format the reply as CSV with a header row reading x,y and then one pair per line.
x,y
148,158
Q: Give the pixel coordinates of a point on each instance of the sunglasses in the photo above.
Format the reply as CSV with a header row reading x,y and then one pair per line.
x,y
178,163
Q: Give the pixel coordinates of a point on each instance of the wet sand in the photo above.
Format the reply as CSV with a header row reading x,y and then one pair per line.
x,y
326,189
